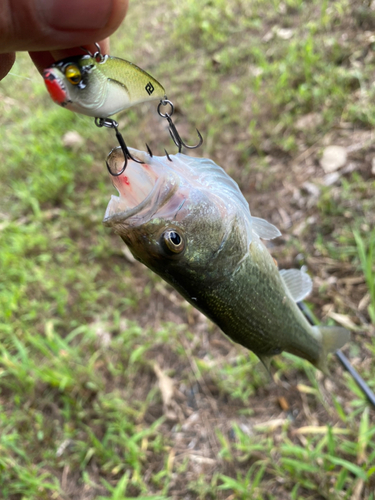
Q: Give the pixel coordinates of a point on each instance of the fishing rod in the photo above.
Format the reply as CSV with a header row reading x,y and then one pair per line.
x,y
343,360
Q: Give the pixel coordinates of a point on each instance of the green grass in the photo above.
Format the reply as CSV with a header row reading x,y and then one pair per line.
x,y
81,327
366,252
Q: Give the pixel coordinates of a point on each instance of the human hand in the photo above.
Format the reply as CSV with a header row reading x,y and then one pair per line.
x,y
53,29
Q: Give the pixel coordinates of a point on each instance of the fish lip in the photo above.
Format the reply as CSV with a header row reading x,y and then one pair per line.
x,y
110,220
165,185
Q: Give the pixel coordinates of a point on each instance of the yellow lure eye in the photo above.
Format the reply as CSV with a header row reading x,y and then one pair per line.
x,y
73,74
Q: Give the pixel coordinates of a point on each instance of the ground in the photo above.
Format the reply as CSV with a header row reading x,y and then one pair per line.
x,y
111,386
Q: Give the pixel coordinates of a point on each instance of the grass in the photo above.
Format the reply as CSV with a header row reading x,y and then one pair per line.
x,y
367,258
269,85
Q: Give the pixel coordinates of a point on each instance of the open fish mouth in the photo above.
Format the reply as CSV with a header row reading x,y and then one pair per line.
x,y
136,186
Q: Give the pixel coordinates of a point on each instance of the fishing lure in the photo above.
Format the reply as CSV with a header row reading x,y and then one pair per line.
x,y
100,85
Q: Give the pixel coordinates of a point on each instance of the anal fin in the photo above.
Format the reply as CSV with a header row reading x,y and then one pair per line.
x,y
266,362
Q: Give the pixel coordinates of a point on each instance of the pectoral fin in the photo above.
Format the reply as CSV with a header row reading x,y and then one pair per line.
x,y
298,283
264,229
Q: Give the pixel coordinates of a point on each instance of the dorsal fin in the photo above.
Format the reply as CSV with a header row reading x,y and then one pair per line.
x,y
264,229
298,283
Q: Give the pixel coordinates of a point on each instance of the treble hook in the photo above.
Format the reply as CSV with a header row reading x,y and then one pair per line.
x,y
96,55
172,127
109,123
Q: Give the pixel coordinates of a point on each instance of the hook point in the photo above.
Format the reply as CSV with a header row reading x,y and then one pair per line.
x,y
169,158
117,174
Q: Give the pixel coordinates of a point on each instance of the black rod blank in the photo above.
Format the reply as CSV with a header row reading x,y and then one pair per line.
x,y
344,361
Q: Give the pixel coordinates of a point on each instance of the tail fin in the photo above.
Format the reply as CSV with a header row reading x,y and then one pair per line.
x,y
333,337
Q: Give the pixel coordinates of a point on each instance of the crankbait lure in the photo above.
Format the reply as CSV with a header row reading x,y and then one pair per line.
x,y
100,85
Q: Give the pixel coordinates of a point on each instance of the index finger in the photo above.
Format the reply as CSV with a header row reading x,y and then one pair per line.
x,y
43,60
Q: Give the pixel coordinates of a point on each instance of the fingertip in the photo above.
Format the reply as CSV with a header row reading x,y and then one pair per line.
x,y
120,8
57,24
100,16
43,60
6,63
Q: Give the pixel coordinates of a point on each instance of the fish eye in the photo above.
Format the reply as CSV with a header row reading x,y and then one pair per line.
x,y
73,74
173,241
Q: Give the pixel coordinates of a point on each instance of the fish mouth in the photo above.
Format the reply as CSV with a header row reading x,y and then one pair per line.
x,y
141,188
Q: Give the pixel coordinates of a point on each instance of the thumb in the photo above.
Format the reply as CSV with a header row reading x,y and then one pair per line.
x,y
55,24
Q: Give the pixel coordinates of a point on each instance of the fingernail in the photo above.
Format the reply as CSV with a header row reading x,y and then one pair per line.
x,y
76,14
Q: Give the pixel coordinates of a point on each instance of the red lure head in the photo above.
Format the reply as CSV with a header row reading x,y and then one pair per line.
x,y
55,87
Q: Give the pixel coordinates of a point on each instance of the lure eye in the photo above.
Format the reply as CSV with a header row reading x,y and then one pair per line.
x,y
173,241
73,74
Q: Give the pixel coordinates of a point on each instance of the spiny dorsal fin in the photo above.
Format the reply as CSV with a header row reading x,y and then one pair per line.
x,y
298,283
264,229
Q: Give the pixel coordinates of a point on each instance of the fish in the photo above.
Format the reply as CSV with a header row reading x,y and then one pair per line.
x,y
99,85
187,220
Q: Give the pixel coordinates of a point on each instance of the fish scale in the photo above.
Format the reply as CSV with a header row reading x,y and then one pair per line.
x,y
252,308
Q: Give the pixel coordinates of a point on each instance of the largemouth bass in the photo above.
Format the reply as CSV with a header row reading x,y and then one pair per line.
x,y
188,221
99,86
